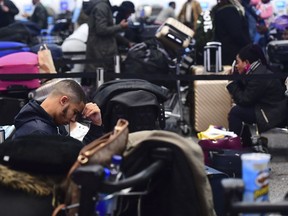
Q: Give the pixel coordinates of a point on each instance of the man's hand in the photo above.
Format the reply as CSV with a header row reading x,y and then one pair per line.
x,y
93,113
124,23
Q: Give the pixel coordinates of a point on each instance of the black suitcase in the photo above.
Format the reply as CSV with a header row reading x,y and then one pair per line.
x,y
277,52
229,161
9,108
215,177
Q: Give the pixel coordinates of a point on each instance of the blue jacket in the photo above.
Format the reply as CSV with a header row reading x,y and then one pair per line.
x,y
33,119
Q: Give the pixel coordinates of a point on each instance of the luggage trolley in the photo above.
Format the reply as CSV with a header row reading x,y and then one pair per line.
x,y
177,37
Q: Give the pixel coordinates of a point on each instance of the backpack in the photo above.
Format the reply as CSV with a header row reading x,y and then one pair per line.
x,y
141,114
138,101
25,32
148,58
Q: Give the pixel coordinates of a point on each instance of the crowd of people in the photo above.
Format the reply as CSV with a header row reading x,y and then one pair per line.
x,y
100,33
100,29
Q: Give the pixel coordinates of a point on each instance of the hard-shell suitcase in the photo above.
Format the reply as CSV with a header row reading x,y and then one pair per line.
x,y
9,47
210,102
174,34
17,63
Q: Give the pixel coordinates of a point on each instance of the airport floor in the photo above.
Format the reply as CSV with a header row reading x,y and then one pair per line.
x,y
278,182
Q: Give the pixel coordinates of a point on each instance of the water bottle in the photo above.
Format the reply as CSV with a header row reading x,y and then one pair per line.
x,y
107,203
101,205
115,175
115,168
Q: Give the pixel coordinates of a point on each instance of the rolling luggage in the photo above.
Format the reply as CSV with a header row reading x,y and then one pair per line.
x,y
213,57
215,177
23,62
174,34
9,47
277,54
210,102
277,51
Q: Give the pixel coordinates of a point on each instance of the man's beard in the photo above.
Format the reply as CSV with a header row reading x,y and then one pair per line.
x,y
64,114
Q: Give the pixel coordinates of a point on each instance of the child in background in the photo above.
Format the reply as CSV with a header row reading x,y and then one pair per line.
x,y
265,11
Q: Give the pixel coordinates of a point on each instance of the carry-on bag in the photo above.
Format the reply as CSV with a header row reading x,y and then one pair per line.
x,y
209,100
17,63
212,104
174,34
117,96
277,51
9,47
210,145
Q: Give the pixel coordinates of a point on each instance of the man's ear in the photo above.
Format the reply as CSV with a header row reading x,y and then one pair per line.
x,y
63,100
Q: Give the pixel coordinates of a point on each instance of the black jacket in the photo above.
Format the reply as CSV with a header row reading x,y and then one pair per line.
x,y
33,119
231,29
101,43
6,18
266,95
40,16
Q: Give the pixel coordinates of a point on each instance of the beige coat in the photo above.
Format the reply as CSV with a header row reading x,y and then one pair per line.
x,y
196,11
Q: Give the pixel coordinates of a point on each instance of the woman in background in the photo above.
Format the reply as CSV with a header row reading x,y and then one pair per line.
x,y
260,101
231,28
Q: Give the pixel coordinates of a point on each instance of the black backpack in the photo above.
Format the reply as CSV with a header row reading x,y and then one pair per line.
x,y
140,108
149,58
138,101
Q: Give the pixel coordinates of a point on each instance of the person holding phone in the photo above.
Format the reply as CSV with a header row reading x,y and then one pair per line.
x,y
257,100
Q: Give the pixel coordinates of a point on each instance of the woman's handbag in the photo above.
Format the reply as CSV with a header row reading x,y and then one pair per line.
x,y
45,60
100,151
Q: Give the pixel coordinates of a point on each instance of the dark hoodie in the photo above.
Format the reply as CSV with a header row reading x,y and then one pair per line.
x,y
33,119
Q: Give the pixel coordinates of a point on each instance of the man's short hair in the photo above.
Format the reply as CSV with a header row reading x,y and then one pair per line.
x,y
172,3
70,88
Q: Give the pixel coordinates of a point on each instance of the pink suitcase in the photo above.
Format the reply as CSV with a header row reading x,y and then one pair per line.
x,y
23,62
